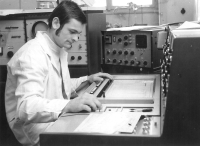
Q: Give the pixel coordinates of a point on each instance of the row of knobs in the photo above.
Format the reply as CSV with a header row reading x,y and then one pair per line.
x,y
120,52
165,67
146,125
10,53
126,62
73,57
128,40
125,43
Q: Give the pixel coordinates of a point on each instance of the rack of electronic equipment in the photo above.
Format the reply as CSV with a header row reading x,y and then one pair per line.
x,y
179,70
131,51
180,85
17,29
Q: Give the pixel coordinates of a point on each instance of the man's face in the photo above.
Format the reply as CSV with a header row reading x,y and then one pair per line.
x,y
69,34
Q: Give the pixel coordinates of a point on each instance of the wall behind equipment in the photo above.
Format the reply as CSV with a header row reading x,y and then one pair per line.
x,y
115,17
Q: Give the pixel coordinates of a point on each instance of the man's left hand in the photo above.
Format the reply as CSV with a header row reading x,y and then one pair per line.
x,y
98,77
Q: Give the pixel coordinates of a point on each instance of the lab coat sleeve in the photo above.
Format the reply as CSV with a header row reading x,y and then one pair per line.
x,y
75,82
31,72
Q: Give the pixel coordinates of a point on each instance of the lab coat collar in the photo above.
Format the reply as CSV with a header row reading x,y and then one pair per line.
x,y
41,39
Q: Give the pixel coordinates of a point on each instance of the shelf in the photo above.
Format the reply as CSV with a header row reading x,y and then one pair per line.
x,y
21,11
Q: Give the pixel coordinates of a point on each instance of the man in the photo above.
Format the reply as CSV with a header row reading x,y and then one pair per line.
x,y
38,86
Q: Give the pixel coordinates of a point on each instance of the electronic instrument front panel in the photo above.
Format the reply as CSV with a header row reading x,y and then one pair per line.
x,y
16,30
77,55
129,48
180,85
12,37
15,33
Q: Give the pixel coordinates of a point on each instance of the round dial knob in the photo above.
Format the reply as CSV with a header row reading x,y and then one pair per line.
x,y
119,39
163,76
145,131
125,43
114,52
120,52
108,52
72,57
125,37
79,57
114,60
126,61
132,53
138,62
125,52
145,62
108,60
132,62
170,50
10,54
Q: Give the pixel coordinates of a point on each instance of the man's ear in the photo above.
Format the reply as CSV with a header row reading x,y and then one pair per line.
x,y
55,23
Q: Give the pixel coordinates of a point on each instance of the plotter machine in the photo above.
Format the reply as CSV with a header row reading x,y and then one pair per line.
x,y
132,107
132,94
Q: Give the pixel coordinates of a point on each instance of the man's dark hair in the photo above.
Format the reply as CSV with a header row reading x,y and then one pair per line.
x,y
65,11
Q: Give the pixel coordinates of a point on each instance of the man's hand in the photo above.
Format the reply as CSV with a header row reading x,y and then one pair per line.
x,y
98,77
86,102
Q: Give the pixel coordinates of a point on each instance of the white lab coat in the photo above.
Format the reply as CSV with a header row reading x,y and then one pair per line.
x,y
33,95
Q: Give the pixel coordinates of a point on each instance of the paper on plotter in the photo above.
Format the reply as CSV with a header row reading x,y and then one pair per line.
x,y
188,25
132,88
109,122
130,28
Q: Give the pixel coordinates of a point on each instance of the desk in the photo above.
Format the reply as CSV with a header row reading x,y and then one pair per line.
x,y
61,133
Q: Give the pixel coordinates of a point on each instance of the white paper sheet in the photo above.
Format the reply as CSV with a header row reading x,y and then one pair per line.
x,y
109,123
134,28
188,25
130,89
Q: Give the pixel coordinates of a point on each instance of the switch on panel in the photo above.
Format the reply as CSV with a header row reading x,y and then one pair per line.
x,y
1,51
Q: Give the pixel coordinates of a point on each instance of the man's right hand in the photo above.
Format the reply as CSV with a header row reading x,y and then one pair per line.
x,y
86,102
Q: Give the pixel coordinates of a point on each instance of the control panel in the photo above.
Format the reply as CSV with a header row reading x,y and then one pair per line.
x,y
16,30
127,48
166,62
117,98
77,55
165,67
12,37
180,85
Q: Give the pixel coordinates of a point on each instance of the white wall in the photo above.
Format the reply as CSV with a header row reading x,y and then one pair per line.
x,y
18,4
148,16
170,11
123,17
